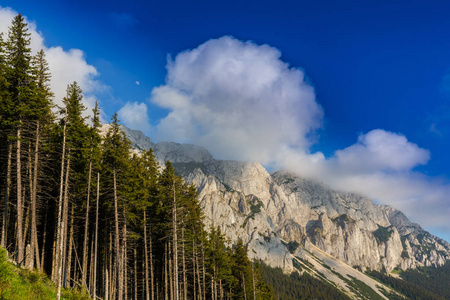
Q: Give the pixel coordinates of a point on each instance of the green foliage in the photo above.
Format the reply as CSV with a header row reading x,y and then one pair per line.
x,y
409,289
343,219
382,234
433,279
405,254
255,208
297,265
295,286
305,262
292,246
16,283
363,290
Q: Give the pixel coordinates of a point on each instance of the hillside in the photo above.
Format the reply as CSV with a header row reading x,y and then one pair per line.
x,y
17,283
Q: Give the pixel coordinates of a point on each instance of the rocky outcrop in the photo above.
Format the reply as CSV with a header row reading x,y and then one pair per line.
x,y
269,211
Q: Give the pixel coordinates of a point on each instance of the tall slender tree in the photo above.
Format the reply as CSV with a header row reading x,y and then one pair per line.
x,y
116,155
20,90
94,163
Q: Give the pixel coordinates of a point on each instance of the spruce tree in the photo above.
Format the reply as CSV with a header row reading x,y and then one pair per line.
x,y
94,164
18,74
5,143
116,156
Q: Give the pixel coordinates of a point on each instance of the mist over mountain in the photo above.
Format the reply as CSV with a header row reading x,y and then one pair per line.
x,y
270,210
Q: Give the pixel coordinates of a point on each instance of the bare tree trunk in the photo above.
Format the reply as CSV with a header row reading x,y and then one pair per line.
x,y
65,218
26,225
111,274
253,281
59,272
243,282
86,227
175,244
166,266
34,240
106,285
20,250
214,282
44,240
63,230
96,237
194,268
125,258
69,259
56,256
171,279
143,287
118,254
184,265
203,271
135,276
111,277
91,269
147,290
152,279
5,209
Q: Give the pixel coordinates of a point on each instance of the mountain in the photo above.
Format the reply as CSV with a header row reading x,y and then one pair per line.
x,y
292,222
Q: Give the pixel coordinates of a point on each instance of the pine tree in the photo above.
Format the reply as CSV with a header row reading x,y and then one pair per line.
x,y
5,144
116,156
74,133
43,118
94,162
18,75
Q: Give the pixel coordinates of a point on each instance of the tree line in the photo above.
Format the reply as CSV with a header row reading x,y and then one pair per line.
x,y
295,286
81,207
420,283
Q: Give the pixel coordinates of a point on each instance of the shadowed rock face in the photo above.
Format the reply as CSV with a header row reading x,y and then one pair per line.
x,y
270,210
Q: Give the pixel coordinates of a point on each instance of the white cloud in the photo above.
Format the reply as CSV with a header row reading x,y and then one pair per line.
x,y
134,115
237,99
380,165
240,101
382,150
66,66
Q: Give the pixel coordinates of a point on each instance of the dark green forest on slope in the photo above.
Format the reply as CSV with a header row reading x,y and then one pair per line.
x,y
83,210
296,286
421,283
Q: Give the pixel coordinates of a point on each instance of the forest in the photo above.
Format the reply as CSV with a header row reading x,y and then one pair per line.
x,y
90,213
421,283
296,286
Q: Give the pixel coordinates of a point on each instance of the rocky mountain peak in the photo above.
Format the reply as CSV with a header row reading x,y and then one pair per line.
x,y
272,211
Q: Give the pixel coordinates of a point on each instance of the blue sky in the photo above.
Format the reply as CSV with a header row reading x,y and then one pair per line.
x,y
379,71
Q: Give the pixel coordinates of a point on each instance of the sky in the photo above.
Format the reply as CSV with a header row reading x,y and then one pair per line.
x,y
353,93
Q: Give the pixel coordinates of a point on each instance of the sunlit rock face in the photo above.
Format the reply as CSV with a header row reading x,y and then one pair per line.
x,y
270,210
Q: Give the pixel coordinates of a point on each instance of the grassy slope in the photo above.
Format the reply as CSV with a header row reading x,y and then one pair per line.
x,y
17,283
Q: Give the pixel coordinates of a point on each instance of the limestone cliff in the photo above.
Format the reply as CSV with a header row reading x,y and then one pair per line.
x,y
272,211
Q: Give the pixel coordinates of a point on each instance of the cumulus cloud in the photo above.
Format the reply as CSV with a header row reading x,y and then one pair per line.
x,y
241,101
238,99
382,150
134,115
381,165
66,66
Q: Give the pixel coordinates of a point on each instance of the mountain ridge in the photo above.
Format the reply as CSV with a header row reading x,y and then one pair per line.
x,y
237,195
